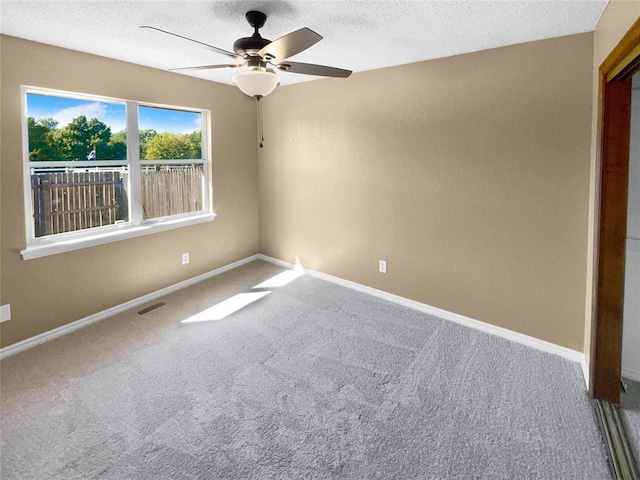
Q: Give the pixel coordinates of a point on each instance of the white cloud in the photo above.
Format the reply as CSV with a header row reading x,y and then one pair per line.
x,y
89,110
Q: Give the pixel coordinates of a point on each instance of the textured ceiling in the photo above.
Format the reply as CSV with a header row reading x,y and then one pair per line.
x,y
358,35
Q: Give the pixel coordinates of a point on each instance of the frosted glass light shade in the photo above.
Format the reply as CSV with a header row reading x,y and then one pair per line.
x,y
256,83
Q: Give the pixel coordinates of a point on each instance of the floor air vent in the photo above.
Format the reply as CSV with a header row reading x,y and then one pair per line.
x,y
150,308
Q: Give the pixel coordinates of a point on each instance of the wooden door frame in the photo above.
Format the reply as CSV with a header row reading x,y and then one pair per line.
x,y
612,170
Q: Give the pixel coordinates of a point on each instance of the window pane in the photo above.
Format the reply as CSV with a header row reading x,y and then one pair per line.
x,y
72,199
171,190
167,134
70,129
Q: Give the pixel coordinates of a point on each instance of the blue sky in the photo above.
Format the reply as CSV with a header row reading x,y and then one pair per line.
x,y
63,110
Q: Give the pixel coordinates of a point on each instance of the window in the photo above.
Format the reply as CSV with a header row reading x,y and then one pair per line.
x,y
100,169
170,186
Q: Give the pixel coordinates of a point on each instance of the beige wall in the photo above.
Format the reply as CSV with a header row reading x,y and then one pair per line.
x,y
616,20
469,175
48,292
466,174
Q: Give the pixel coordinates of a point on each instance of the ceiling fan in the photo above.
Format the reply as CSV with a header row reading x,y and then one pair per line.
x,y
259,54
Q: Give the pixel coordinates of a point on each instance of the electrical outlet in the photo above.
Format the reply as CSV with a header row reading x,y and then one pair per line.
x,y
382,266
185,258
5,313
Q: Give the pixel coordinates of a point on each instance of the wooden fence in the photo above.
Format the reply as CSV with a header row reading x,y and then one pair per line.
x,y
172,191
75,200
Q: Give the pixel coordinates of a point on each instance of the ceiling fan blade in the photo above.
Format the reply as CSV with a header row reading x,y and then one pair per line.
x,y
312,69
210,47
290,45
209,67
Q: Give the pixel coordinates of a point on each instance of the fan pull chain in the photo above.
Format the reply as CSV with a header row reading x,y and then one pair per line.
x,y
260,123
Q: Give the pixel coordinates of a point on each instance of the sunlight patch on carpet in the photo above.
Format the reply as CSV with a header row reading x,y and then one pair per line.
x,y
282,279
224,309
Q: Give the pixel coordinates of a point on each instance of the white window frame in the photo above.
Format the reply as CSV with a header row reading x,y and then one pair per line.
x,y
136,225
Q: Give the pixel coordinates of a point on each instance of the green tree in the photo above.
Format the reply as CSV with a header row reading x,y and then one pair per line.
x,y
73,140
41,143
120,136
117,146
80,136
145,136
196,140
76,140
167,145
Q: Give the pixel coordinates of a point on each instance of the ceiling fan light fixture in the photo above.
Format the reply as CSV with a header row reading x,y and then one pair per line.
x,y
256,83
258,53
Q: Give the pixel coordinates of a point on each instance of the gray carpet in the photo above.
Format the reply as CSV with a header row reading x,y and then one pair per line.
x,y
630,414
311,381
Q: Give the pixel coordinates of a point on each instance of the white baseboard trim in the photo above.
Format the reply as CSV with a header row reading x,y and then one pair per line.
x,y
584,363
109,312
533,342
536,343
631,374
281,263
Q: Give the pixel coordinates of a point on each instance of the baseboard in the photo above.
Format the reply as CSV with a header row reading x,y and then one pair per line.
x,y
631,374
584,363
96,317
533,342
282,263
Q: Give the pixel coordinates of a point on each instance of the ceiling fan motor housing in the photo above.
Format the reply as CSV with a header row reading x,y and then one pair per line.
x,y
250,45
253,44
256,19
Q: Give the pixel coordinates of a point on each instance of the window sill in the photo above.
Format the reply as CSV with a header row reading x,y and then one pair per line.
x,y
51,247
